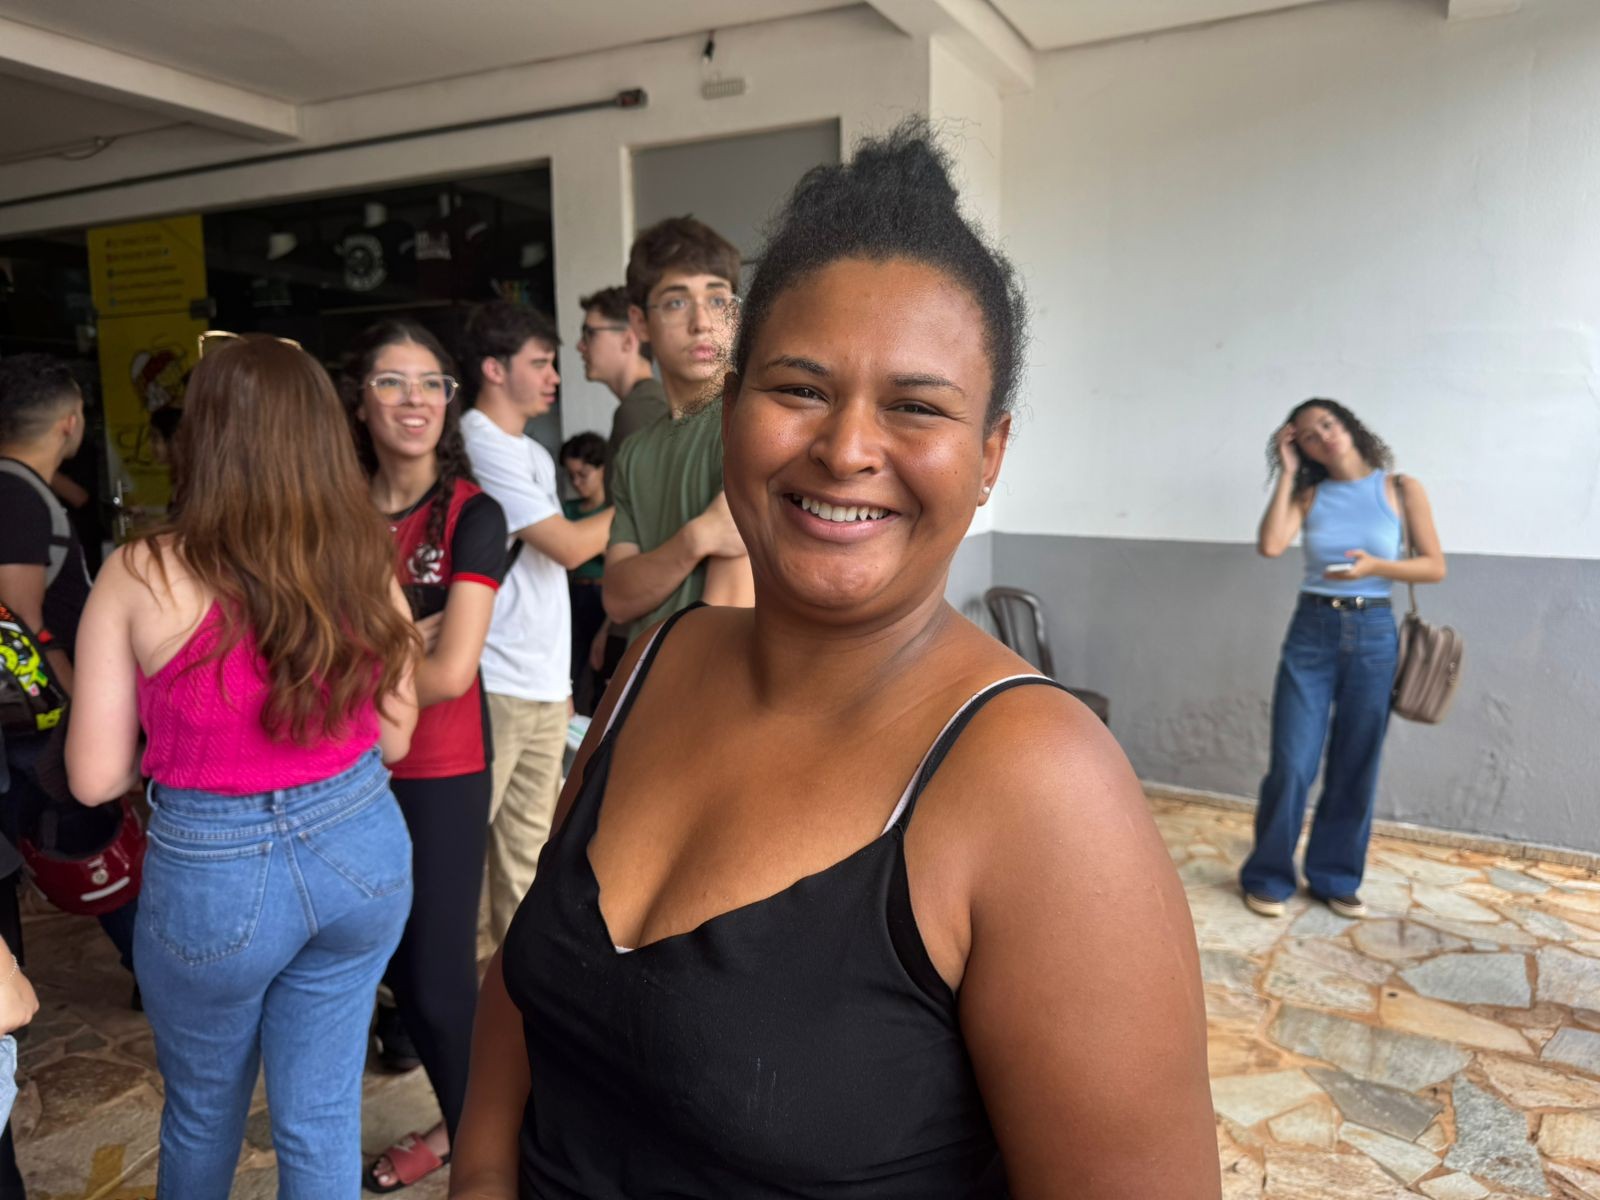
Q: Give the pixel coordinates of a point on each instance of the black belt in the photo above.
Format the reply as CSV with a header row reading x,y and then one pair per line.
x,y
1342,602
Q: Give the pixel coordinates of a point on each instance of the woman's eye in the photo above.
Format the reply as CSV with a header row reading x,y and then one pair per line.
x,y
801,391
916,408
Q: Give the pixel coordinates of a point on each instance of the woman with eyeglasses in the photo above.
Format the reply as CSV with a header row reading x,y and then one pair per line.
x,y
399,394
261,641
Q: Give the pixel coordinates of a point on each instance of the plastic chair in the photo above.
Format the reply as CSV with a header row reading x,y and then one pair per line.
x,y
1020,625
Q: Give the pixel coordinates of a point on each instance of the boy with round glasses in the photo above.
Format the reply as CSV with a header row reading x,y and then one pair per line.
x,y
673,541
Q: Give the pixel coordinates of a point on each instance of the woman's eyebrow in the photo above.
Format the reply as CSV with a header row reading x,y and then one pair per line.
x,y
926,380
809,365
914,379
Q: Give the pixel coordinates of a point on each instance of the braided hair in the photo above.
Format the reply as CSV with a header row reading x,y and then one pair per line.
x,y
450,453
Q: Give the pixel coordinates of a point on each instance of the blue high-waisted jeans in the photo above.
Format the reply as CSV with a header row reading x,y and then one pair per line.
x,y
1340,661
264,925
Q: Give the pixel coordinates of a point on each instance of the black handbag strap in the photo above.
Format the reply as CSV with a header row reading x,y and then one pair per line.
x,y
1405,536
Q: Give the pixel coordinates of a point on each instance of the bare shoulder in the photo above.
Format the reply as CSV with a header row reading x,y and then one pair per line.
x,y
127,571
1411,485
1046,758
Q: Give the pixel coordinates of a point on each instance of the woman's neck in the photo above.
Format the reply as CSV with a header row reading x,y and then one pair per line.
x,y
801,666
1350,467
399,483
586,504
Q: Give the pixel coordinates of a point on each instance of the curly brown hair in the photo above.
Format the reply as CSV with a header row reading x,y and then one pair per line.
x,y
451,452
1372,448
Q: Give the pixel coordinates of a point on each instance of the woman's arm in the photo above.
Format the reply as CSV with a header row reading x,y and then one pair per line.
x,y
451,663
1427,565
397,712
18,1004
483,1159
1081,1002
1285,511
103,726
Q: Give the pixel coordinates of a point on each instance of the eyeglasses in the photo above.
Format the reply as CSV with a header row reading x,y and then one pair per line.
x,y
675,310
211,339
590,330
392,388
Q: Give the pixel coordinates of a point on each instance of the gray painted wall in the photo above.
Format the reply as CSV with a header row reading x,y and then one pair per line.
x,y
1184,637
972,571
733,184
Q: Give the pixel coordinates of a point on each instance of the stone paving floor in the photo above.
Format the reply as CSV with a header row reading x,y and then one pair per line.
x,y
1448,1046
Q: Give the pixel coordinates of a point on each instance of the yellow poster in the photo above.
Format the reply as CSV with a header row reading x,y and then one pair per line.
x,y
145,277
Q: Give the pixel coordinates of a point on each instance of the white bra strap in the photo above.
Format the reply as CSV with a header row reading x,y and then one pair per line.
x,y
633,678
905,796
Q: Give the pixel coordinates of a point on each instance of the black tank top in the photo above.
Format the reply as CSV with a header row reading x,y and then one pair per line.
x,y
800,1046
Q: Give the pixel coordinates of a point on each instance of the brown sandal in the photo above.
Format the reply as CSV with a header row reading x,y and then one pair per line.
x,y
410,1159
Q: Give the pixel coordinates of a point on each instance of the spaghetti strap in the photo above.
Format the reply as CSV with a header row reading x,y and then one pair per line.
x,y
630,690
901,817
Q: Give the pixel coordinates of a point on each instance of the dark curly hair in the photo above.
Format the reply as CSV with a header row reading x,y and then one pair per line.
x,y
451,451
591,448
894,199
1372,448
587,447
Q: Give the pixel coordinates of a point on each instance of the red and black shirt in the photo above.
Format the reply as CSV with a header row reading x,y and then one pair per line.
x,y
452,737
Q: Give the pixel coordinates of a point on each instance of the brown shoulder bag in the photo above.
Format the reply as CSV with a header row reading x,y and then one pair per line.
x,y
1429,670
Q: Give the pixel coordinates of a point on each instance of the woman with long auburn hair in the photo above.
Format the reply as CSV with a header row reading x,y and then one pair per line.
x,y
260,640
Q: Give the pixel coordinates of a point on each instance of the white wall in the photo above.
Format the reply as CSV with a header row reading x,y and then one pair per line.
x,y
1359,200
848,65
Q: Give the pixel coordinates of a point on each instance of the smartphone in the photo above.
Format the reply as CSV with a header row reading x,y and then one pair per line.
x,y
1341,568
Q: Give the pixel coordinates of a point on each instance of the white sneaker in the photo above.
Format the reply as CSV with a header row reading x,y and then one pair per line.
x,y
1264,907
1353,907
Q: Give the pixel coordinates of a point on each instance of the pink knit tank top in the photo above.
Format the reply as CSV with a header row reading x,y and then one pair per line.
x,y
206,737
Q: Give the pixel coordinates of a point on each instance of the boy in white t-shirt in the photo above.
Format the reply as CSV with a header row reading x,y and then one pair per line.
x,y
526,662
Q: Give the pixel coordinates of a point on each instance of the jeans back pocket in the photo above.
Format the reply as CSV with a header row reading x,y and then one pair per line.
x,y
203,904
368,845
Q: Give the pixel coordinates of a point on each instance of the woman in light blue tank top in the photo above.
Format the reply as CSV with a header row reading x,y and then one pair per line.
x,y
1334,485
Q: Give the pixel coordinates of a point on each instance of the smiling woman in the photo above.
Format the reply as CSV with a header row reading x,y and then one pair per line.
x,y
844,900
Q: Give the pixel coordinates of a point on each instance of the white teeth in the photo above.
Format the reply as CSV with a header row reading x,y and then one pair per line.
x,y
841,514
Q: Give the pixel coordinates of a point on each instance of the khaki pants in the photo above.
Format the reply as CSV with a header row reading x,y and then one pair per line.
x,y
530,739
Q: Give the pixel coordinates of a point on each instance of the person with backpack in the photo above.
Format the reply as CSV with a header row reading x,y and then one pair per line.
x,y
44,581
44,585
1334,482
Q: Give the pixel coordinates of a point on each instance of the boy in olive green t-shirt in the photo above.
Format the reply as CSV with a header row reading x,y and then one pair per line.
x,y
673,541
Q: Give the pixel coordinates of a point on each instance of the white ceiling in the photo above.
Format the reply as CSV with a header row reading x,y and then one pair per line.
x,y
75,70
308,50
1053,24
58,119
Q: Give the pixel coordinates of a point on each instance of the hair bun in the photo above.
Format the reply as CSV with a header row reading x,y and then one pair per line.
x,y
893,199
